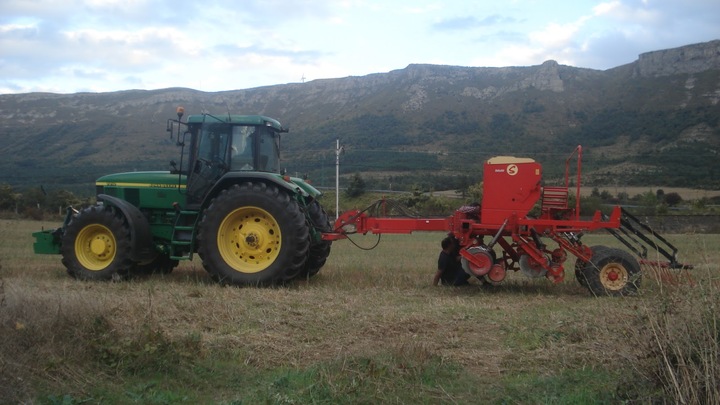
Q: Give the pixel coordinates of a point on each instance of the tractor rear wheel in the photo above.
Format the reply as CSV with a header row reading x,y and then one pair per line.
x,y
96,245
612,272
320,250
253,234
317,258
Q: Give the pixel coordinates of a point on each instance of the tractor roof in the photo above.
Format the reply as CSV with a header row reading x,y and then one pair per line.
x,y
236,119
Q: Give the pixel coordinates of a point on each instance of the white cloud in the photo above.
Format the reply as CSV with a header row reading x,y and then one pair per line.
x,y
557,36
15,28
511,55
641,14
117,44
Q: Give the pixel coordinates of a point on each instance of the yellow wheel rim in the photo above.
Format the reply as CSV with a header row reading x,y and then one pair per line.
x,y
614,276
95,247
249,239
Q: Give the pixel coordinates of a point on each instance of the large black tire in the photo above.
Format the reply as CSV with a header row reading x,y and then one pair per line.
x,y
612,272
96,245
319,250
253,234
317,258
579,276
161,264
580,264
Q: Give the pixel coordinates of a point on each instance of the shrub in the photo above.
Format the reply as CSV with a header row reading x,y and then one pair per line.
x,y
679,338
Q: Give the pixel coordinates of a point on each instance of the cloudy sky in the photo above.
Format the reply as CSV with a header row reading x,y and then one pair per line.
x,y
68,46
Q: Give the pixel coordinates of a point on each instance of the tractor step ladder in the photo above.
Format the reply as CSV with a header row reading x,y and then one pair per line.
x,y
554,198
183,235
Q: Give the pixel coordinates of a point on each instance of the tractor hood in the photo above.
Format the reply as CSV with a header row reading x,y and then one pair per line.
x,y
155,179
158,187
144,189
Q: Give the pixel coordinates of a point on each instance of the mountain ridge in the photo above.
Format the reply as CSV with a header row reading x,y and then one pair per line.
x,y
645,116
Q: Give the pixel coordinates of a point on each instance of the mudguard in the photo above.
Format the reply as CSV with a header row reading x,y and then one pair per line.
x,y
294,186
140,234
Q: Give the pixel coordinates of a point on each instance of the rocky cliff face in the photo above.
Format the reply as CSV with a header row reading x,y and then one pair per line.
x,y
666,99
684,60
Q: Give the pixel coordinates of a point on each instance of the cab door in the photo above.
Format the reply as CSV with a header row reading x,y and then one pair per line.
x,y
210,160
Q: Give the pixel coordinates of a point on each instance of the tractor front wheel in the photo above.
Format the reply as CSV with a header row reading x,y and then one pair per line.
x,y
253,234
612,272
96,245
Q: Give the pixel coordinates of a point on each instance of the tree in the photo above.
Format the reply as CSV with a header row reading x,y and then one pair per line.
x,y
648,203
461,184
605,195
701,203
356,188
8,197
34,198
475,192
590,204
62,199
673,199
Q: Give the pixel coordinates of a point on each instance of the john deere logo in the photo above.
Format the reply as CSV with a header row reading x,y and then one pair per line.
x,y
512,170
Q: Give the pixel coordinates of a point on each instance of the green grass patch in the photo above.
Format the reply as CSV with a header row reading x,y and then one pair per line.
x,y
566,387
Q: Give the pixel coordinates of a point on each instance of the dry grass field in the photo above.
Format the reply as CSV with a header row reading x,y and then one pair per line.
x,y
369,328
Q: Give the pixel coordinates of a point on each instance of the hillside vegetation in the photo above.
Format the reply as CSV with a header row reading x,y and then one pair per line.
x,y
654,121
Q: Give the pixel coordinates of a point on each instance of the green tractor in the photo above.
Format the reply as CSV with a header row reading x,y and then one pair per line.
x,y
227,201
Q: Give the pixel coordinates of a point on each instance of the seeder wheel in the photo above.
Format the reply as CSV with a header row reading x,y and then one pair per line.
x,y
612,272
580,264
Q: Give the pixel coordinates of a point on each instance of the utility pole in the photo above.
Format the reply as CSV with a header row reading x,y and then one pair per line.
x,y
322,170
338,151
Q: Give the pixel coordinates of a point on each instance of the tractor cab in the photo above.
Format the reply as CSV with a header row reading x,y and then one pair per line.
x,y
232,145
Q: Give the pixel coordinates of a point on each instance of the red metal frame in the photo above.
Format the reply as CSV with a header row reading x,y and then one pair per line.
x,y
577,150
355,221
511,188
